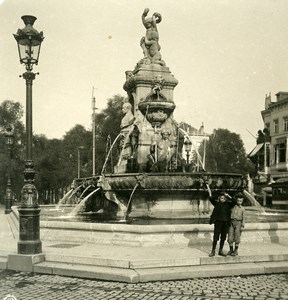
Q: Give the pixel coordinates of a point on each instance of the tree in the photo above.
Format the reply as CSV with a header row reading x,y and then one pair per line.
x,y
225,153
11,113
108,125
78,136
48,165
56,160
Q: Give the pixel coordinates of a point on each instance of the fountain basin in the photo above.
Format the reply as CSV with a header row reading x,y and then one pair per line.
x,y
174,181
167,195
153,235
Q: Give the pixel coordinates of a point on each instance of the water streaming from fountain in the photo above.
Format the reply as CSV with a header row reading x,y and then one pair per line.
x,y
82,203
85,190
260,209
108,154
74,192
129,201
63,200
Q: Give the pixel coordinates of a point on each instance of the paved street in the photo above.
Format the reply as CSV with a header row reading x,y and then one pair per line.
x,y
20,286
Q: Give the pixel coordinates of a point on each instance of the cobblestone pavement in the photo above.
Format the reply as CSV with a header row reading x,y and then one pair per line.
x,y
23,285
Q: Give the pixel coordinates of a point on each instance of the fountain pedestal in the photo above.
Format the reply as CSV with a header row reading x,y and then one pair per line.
x,y
150,92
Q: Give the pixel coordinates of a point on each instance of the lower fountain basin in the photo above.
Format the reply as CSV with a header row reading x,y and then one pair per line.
x,y
167,195
57,227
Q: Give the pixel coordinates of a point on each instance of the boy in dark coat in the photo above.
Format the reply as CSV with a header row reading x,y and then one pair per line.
x,y
220,217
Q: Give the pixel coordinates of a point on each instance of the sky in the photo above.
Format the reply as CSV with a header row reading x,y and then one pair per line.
x,y
226,54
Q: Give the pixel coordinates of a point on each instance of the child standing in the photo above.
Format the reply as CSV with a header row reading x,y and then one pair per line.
x,y
220,217
236,225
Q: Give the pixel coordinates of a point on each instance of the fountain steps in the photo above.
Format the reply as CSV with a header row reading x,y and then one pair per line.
x,y
3,259
161,263
70,252
143,271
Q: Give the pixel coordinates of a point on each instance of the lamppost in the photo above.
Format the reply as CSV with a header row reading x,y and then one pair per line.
x,y
187,147
79,159
93,133
9,195
29,42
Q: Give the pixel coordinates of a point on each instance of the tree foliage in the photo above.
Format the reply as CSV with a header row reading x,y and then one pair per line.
x,y
11,113
107,129
56,160
225,153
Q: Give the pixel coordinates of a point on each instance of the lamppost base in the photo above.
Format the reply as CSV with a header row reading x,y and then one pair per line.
x,y
29,230
8,204
29,247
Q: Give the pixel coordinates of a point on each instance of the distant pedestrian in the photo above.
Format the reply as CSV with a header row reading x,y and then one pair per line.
x,y
220,217
236,225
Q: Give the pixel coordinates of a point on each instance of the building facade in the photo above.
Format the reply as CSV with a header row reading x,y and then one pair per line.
x,y
270,155
196,137
275,118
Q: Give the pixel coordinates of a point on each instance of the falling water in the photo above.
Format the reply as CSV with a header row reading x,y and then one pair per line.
x,y
85,190
64,199
74,191
254,202
130,199
108,154
81,205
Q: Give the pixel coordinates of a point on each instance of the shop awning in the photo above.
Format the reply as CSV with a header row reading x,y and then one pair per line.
x,y
281,182
255,150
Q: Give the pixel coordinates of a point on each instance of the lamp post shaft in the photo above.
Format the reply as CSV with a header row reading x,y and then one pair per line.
x,y
29,77
94,143
93,134
79,159
29,211
9,194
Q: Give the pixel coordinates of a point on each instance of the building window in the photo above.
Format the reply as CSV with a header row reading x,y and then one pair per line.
x,y
267,125
267,154
282,152
276,125
285,120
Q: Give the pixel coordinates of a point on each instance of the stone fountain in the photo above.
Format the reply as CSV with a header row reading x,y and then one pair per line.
x,y
152,178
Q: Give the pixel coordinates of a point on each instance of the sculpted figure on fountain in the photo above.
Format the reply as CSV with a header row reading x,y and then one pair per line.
x,y
161,153
129,137
150,42
128,119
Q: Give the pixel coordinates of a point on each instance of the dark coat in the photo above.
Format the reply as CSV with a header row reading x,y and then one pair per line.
x,y
221,211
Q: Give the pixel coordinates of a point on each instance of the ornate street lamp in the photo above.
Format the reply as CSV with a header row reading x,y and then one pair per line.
x,y
29,42
187,147
79,159
9,140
